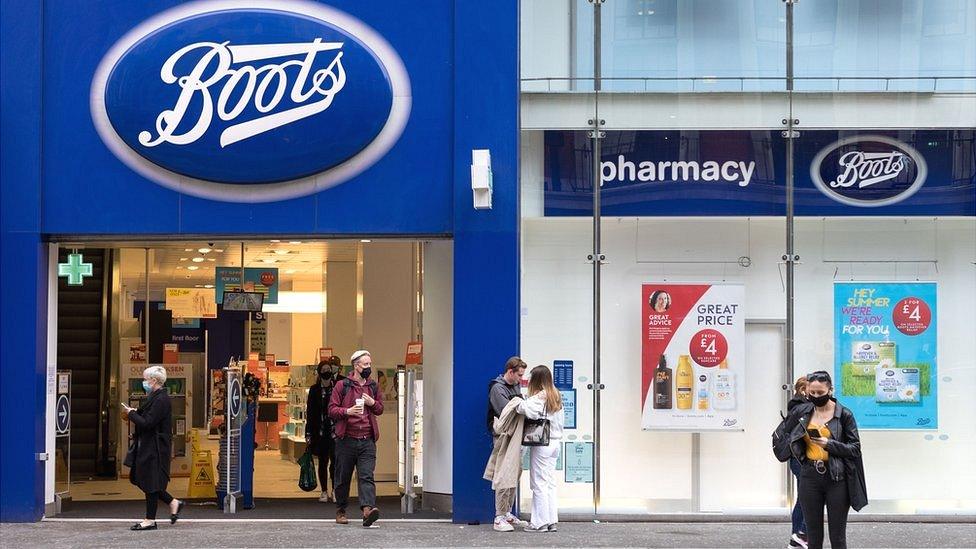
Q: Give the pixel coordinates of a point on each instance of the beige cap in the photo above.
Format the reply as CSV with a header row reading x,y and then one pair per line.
x,y
358,355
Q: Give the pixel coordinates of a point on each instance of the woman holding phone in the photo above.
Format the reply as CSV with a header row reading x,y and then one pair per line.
x,y
149,452
824,439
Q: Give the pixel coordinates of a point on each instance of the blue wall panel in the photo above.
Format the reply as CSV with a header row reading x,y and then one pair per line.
x,y
486,242
23,268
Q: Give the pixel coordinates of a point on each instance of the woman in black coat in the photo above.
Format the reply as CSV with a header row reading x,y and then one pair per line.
x,y
318,425
149,452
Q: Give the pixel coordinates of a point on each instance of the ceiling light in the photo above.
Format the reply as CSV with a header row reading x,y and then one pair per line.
x,y
204,250
275,241
365,241
219,251
295,242
179,268
291,271
269,261
198,260
281,252
211,259
184,258
208,285
192,268
188,276
198,285
188,249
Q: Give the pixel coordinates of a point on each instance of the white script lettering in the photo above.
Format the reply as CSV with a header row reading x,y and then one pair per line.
x,y
264,86
866,169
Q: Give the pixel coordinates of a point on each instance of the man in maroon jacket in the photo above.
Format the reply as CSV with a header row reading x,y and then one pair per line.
x,y
354,405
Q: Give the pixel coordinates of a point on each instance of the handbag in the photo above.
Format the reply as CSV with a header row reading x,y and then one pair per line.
x,y
306,480
535,432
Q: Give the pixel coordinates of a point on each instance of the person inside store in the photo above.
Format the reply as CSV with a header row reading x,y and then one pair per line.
x,y
318,428
354,406
501,390
824,440
544,403
798,536
149,452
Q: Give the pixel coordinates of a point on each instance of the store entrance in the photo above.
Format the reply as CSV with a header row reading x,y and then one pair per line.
x,y
162,303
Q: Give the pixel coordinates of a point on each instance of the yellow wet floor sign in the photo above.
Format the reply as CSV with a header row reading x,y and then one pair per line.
x,y
202,476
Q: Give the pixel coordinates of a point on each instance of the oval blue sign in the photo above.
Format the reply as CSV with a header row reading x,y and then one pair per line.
x,y
868,171
235,101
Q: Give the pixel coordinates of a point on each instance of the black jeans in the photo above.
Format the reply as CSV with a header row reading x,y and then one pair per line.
x,y
152,501
359,454
799,527
327,463
815,491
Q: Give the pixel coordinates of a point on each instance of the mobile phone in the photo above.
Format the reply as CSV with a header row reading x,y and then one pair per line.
x,y
814,433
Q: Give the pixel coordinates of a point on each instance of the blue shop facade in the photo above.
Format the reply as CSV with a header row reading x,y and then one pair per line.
x,y
243,120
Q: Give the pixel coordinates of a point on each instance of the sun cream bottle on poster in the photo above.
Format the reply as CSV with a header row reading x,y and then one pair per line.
x,y
684,383
703,392
723,388
662,385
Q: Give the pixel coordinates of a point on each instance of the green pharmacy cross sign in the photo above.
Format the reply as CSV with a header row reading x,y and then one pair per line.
x,y
75,270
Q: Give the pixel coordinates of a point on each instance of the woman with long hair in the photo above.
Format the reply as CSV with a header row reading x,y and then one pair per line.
x,y
824,439
544,402
798,537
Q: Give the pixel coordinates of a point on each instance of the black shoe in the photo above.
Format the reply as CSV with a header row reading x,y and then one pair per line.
x,y
176,516
138,526
370,516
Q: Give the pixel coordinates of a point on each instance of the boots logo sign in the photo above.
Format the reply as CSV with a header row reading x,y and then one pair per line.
x,y
868,171
250,101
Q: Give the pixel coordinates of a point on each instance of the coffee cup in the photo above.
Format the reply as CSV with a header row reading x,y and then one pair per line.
x,y
360,402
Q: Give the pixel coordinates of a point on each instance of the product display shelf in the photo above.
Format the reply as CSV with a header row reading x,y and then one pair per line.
x,y
292,438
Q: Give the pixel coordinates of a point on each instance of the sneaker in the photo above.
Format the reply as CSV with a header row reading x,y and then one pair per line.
x,y
502,525
533,529
341,517
798,540
515,521
324,497
370,515
552,527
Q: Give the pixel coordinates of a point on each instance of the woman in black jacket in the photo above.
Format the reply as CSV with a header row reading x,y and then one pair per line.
x,y
318,425
831,470
149,452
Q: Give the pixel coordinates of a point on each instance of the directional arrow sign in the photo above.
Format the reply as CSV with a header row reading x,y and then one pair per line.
x,y
63,415
235,398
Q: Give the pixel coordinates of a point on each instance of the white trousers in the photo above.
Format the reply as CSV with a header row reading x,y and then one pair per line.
x,y
542,479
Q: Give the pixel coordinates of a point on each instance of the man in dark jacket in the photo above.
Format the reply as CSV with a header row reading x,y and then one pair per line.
x,y
354,406
500,390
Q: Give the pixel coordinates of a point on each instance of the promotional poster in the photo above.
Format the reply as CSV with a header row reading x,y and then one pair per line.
x,y
885,339
693,356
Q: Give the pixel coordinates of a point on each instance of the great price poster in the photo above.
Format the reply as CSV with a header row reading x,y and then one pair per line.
x,y
699,329
885,350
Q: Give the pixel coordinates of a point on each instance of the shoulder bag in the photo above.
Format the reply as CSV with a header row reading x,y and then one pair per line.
x,y
535,432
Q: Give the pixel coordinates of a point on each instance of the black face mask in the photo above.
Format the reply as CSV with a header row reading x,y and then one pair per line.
x,y
366,373
819,401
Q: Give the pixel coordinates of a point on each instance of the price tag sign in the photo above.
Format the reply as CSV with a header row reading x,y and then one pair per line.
x,y
708,348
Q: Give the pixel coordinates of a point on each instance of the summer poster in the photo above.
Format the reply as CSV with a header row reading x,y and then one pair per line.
x,y
885,353
692,356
